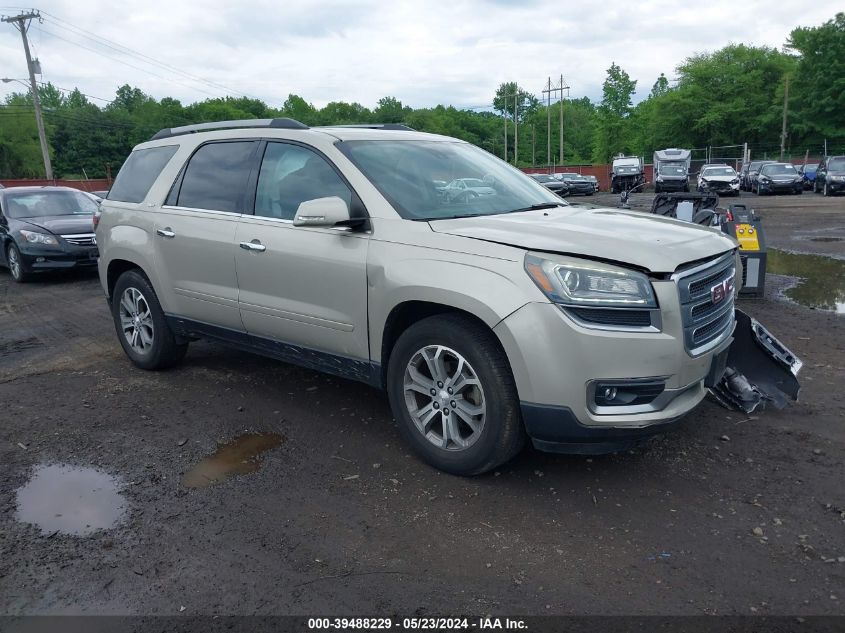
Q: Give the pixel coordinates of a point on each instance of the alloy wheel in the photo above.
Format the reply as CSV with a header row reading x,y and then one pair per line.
x,y
14,262
444,397
136,320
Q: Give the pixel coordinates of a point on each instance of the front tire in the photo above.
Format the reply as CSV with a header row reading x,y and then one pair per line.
x,y
16,265
453,395
141,325
826,190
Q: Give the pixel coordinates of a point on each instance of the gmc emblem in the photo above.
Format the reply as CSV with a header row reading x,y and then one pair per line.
x,y
721,290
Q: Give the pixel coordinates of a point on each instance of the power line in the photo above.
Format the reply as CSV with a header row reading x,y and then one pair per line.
x,y
125,63
120,48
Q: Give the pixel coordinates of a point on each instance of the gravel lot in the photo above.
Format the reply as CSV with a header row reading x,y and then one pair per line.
x,y
729,515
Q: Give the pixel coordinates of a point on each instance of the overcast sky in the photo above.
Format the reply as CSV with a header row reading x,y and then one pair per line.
x,y
453,52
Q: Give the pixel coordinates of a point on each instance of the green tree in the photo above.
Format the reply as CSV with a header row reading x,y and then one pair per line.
x,y
298,108
389,110
509,94
819,85
660,87
611,138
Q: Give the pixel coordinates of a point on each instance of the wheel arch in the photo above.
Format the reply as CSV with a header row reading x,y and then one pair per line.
x,y
405,314
116,268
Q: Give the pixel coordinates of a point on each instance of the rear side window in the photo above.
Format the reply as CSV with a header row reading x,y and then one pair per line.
x,y
216,177
139,172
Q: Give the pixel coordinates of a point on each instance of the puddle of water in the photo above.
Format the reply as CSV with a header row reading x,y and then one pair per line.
x,y
71,500
822,282
239,456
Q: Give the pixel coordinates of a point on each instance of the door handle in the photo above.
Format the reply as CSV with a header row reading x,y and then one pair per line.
x,y
254,245
166,232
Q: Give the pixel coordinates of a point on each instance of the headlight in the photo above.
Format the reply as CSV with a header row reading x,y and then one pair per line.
x,y
763,179
660,179
39,238
583,283
735,181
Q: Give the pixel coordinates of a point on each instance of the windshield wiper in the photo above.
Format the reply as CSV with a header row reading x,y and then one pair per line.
x,y
539,207
449,217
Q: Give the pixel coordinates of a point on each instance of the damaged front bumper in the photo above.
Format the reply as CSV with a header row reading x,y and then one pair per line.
x,y
757,369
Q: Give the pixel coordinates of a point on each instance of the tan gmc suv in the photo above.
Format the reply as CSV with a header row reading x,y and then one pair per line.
x,y
489,315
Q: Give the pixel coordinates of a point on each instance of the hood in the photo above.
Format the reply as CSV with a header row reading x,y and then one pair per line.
x,y
784,177
719,178
644,240
62,224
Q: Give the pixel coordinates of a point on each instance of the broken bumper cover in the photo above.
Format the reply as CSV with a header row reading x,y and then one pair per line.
x,y
759,369
753,370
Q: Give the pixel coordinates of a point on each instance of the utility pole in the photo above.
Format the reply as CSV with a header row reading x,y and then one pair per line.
x,y
515,126
533,147
21,22
562,88
785,109
505,119
548,92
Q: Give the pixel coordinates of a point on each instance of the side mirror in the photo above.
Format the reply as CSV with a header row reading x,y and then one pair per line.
x,y
326,212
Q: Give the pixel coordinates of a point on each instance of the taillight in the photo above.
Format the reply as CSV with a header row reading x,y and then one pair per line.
x,y
96,218
729,216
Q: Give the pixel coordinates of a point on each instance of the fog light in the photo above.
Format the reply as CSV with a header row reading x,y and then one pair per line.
x,y
619,394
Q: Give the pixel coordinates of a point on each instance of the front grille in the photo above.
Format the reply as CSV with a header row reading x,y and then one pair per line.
x,y
706,322
81,239
628,318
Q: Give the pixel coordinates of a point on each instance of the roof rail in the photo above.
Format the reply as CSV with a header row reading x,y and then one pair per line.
x,y
287,124
378,126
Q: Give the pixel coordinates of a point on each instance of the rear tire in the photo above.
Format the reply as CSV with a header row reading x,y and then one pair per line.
x,y
141,326
16,265
475,428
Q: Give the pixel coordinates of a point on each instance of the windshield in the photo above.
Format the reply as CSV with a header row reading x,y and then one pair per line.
x,y
778,170
837,164
672,169
39,204
718,171
542,178
405,172
569,176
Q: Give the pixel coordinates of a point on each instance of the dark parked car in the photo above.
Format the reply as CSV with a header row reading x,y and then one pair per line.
x,y
552,184
752,173
46,228
808,174
577,183
830,176
593,180
778,178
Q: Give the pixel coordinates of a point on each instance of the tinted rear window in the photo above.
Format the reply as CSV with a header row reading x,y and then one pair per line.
x,y
139,172
216,177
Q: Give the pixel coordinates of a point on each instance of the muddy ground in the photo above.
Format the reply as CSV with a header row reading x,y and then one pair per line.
x,y
340,518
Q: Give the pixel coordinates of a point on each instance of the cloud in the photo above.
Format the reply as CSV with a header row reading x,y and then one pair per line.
x,y
423,53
